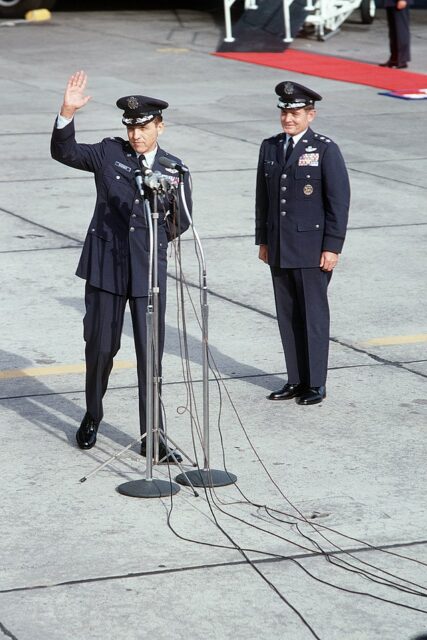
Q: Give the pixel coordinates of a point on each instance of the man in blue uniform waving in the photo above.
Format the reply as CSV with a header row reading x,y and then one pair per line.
x,y
115,256
302,203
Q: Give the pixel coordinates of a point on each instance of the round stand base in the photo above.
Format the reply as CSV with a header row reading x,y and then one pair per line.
x,y
206,478
148,488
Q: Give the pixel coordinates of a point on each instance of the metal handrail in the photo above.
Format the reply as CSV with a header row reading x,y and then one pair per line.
x,y
328,14
249,4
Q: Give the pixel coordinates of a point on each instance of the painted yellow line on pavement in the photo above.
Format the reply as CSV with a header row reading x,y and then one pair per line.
x,y
57,370
390,340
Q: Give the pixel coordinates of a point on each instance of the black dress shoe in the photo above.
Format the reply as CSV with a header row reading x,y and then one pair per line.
x,y
287,392
313,395
396,65
165,453
86,434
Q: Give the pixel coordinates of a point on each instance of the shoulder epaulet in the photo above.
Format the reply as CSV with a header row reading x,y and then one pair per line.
x,y
321,138
170,155
114,139
274,139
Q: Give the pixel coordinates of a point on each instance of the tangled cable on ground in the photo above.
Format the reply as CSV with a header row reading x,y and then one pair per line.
x,y
335,554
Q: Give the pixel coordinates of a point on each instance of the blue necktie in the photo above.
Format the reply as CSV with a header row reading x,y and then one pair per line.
x,y
289,149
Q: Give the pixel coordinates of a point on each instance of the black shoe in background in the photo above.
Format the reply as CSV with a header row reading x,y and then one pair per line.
x,y
288,391
313,395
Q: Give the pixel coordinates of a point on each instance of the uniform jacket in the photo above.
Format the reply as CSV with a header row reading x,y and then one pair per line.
x,y
390,4
115,253
301,205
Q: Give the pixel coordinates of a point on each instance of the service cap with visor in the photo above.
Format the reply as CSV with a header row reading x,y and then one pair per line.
x,y
295,96
138,110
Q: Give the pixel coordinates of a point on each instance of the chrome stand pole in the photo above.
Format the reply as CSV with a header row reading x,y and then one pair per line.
x,y
206,477
151,487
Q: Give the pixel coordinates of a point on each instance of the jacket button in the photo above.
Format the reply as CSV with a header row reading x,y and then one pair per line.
x,y
283,201
132,229
317,226
283,188
308,175
137,201
134,215
92,230
285,175
283,213
117,177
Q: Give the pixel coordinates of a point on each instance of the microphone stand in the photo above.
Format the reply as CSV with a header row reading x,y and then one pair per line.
x,y
153,487
206,477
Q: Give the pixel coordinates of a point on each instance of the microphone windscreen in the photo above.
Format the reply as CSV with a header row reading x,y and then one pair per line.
x,y
165,162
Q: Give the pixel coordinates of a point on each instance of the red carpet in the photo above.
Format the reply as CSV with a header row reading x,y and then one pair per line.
x,y
323,66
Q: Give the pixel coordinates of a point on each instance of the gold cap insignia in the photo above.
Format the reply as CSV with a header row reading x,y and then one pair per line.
x,y
133,102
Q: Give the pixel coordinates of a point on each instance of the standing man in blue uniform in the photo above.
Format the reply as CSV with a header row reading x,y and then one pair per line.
x,y
302,203
398,33
115,256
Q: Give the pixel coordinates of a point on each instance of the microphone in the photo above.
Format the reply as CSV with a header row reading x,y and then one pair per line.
x,y
171,164
139,181
158,182
166,182
151,180
141,175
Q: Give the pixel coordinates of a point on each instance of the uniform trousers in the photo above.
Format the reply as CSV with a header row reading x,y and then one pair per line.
x,y
302,308
102,330
399,35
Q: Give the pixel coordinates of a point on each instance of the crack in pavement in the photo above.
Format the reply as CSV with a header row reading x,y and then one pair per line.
x,y
7,633
215,565
40,226
243,305
225,378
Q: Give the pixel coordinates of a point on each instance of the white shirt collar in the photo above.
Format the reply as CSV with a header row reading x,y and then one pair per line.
x,y
296,138
149,157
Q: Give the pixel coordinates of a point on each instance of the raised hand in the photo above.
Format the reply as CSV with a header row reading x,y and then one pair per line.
x,y
74,96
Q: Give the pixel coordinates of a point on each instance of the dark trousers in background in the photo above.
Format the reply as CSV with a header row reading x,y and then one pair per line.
x,y
102,326
302,308
399,35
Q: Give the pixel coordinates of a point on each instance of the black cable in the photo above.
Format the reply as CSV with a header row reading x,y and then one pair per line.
x,y
225,533
218,379
302,517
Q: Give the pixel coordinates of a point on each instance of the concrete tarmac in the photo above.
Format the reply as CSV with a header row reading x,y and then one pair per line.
x,y
82,562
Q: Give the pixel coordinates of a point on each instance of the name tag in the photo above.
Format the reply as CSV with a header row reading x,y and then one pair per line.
x,y
309,160
122,166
